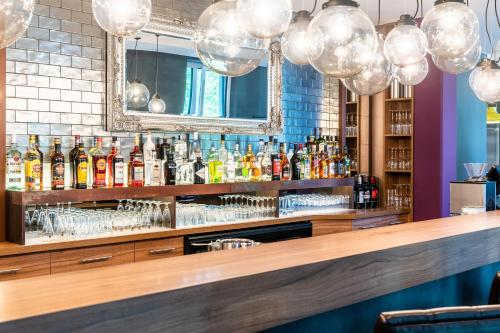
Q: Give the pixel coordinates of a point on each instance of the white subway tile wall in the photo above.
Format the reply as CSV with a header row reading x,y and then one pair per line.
x,y
55,80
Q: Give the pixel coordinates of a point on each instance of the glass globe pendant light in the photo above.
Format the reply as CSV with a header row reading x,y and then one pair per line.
x,y
451,28
375,78
461,64
406,44
342,39
15,17
413,74
137,92
223,44
156,104
122,18
266,18
294,43
485,81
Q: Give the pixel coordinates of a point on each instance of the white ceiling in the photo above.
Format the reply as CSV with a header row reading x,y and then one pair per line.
x,y
392,9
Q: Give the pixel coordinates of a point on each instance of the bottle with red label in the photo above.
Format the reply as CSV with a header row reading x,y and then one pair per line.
x,y
276,161
99,165
374,192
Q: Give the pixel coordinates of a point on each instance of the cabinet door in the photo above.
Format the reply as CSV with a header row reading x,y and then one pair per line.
x,y
160,248
327,227
24,266
92,257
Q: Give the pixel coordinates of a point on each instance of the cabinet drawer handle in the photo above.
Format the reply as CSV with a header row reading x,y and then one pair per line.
x,y
92,260
368,227
162,251
396,223
10,271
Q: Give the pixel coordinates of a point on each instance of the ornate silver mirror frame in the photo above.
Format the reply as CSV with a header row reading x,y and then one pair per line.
x,y
119,119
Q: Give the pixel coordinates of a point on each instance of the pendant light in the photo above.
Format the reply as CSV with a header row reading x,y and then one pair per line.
x,y
452,29
406,44
343,39
485,81
223,44
461,64
15,17
156,104
137,93
375,78
412,75
294,43
266,18
122,17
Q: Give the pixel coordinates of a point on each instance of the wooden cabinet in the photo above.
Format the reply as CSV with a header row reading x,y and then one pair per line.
x,y
377,222
92,257
158,249
327,227
24,266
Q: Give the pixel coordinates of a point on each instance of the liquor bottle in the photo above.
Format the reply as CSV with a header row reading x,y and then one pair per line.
x,y
14,167
314,163
374,194
90,164
37,146
323,164
159,152
165,150
181,148
214,167
295,164
32,165
81,168
285,164
199,171
347,163
109,161
255,169
99,165
195,148
248,161
73,154
329,145
223,157
149,151
155,178
118,167
239,165
341,165
305,163
276,161
310,142
266,165
367,194
321,142
170,170
57,166
290,154
136,165
260,153
360,197
332,165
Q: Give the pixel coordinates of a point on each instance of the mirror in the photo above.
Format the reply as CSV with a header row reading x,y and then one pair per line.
x,y
196,98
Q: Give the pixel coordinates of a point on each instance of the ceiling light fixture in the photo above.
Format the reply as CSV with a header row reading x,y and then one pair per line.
x,y
412,75
122,18
15,16
485,81
137,93
156,104
294,42
266,18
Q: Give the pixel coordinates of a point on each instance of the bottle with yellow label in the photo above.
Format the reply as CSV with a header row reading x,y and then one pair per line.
x,y
33,166
99,164
81,168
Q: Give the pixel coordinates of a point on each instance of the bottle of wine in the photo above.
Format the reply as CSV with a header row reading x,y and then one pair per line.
x,y
374,192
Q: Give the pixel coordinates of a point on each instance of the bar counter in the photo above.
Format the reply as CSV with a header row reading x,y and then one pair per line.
x,y
251,289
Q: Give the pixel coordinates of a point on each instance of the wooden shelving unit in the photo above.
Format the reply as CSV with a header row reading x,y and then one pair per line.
x,y
350,114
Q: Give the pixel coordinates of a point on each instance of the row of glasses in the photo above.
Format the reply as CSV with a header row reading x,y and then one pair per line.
x,y
351,127
399,159
399,196
353,153
290,204
401,122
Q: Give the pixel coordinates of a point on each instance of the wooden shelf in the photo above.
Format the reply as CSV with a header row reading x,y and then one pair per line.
x,y
398,171
351,103
351,137
406,99
398,135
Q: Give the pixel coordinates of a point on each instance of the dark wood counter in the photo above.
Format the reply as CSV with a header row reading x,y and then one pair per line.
x,y
251,289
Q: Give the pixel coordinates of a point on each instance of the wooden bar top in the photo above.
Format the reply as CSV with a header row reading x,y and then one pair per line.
x,y
251,289
7,249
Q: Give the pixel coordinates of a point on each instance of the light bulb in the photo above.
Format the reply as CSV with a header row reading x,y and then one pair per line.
x,y
294,43
461,64
413,74
265,18
452,29
137,95
122,18
15,17
157,105
342,39
406,44
485,81
223,44
375,78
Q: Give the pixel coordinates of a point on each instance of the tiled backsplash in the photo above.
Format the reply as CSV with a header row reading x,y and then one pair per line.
x,y
56,80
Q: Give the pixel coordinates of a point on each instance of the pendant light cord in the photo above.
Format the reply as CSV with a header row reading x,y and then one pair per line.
x,y
418,8
487,28
136,56
157,53
314,8
379,11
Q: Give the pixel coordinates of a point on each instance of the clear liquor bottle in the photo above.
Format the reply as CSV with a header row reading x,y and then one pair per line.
x,y
239,165
181,148
118,167
14,167
305,165
223,158
149,151
266,165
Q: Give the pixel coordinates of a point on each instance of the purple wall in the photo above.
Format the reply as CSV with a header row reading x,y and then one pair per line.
x,y
434,144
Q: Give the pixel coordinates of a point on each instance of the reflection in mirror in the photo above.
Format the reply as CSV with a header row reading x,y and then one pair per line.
x,y
188,87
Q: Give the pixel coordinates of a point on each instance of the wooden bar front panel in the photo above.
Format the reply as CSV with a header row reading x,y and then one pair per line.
x,y
19,267
159,249
2,142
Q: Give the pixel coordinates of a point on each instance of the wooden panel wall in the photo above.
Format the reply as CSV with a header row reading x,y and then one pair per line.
x,y
2,144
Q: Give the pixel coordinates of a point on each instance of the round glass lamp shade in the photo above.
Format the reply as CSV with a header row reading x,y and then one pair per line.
x,y
342,40
122,18
157,105
485,81
461,64
413,74
137,95
294,43
265,18
375,78
406,44
223,44
15,16
452,29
